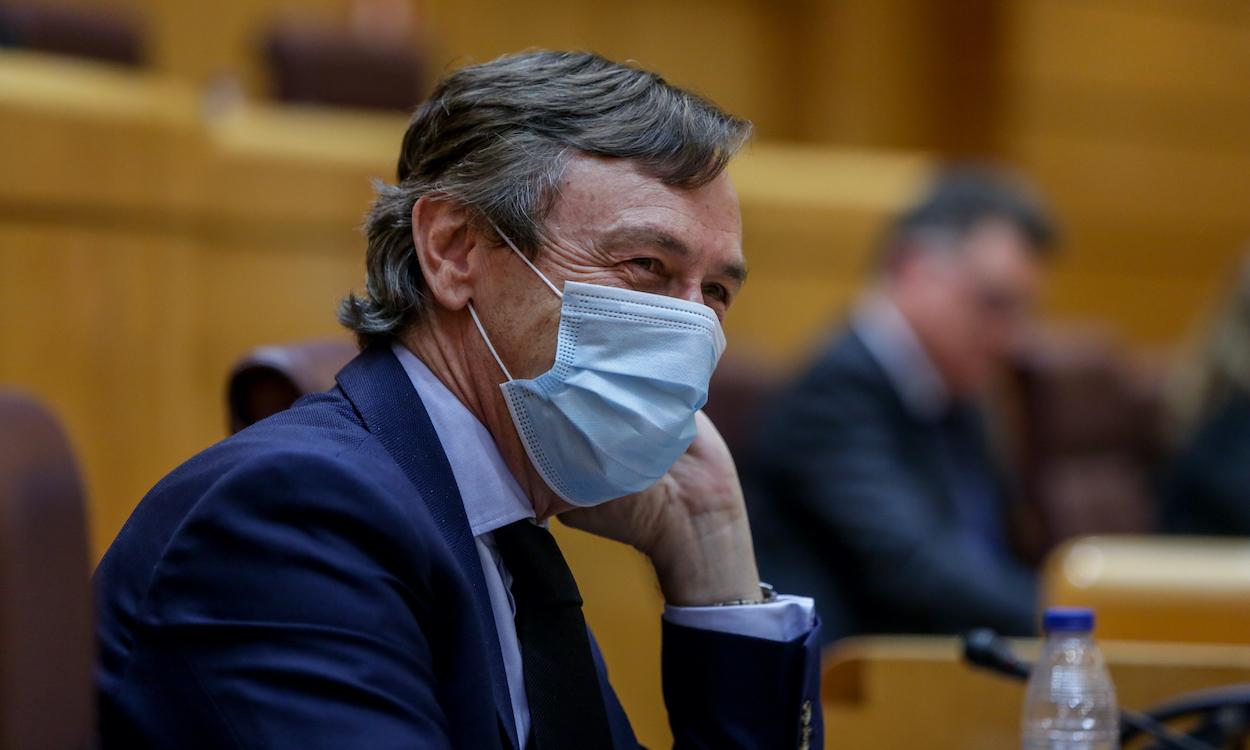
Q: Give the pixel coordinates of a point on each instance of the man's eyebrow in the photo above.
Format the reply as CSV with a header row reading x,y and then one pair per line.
x,y
638,236
645,235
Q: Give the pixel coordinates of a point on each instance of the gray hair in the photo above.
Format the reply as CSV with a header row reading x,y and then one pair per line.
x,y
496,137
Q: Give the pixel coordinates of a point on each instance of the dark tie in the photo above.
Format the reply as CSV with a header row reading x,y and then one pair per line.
x,y
977,498
561,682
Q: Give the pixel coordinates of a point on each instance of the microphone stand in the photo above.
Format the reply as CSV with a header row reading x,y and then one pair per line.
x,y
986,649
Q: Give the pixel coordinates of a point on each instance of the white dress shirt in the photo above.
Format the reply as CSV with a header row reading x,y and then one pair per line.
x,y
493,499
893,344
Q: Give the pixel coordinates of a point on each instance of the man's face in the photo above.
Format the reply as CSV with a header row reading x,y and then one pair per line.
x,y
611,225
969,307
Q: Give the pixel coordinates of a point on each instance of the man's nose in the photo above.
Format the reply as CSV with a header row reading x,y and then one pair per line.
x,y
690,291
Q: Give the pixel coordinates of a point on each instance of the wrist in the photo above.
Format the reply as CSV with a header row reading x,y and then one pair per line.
x,y
706,563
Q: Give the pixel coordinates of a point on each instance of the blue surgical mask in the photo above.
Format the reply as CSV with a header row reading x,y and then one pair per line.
x,y
617,408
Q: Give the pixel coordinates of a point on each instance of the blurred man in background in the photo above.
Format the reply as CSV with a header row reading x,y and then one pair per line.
x,y
1207,489
872,485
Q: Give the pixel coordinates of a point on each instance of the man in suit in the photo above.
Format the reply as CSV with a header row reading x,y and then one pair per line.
x,y
372,568
871,484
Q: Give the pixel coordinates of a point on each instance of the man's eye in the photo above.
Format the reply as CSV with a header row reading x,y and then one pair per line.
x,y
716,292
646,264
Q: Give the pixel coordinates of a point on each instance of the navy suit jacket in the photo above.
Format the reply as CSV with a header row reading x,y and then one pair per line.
x,y
312,582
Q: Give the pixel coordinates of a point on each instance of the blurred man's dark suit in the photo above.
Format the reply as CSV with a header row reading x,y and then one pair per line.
x,y
877,495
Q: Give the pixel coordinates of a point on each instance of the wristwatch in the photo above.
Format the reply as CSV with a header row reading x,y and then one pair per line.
x,y
767,592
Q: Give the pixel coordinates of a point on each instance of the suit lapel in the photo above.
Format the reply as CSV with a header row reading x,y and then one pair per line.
x,y
392,411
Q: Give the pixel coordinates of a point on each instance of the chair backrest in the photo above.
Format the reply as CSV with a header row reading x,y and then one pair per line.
x,y
310,65
269,379
1089,430
1156,588
76,32
46,638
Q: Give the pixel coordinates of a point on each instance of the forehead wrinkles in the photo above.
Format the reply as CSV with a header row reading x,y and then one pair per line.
x,y
601,196
596,185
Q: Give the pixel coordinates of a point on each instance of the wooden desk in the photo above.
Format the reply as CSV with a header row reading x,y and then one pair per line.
x,y
897,693
1185,589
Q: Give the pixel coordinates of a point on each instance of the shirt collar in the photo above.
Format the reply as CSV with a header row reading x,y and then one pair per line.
x,y
492,497
893,344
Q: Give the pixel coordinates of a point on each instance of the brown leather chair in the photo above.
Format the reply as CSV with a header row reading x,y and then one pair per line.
x,y
46,639
76,32
310,65
1089,434
270,378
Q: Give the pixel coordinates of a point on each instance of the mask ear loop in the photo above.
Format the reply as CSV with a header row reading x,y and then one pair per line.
x,y
480,329
527,262
473,312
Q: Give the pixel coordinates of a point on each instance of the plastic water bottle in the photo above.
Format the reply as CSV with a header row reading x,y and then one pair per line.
x,y
1070,703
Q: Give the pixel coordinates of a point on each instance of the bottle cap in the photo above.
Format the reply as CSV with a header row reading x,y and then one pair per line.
x,y
1068,620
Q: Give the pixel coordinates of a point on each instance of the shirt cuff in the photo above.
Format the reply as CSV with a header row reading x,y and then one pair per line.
x,y
782,619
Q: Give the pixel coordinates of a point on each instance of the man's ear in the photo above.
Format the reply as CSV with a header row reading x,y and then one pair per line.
x,y
444,238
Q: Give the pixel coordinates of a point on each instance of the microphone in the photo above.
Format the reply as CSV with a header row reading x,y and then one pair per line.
x,y
987,649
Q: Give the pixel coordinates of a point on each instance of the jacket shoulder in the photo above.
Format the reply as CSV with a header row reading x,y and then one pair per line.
x,y
315,455
842,372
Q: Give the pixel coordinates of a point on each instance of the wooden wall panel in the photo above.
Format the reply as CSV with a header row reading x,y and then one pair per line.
x,y
1183,186
901,73
738,52
95,323
1135,118
94,137
1128,47
1222,12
